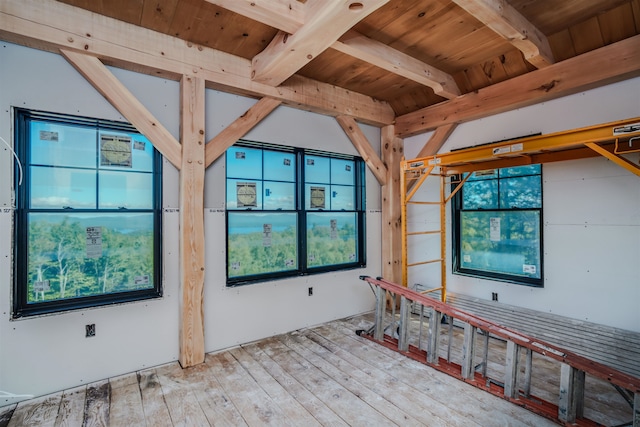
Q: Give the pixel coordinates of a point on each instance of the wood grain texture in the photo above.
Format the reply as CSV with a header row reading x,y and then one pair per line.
x,y
71,410
392,149
362,144
239,128
192,254
124,101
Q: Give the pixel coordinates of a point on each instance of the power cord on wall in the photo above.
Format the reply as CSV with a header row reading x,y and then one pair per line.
x,y
17,160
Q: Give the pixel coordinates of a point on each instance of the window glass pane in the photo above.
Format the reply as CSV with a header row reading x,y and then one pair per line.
x,y
343,172
77,255
244,163
279,195
62,145
524,192
279,166
122,150
317,196
244,194
501,242
521,170
58,188
331,238
343,198
482,194
129,190
317,169
261,243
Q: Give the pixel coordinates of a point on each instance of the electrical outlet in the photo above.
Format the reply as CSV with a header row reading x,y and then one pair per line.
x,y
494,296
311,291
90,330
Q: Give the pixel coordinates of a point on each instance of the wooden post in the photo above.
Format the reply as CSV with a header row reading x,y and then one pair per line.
x,y
571,400
433,336
511,371
468,351
403,334
192,118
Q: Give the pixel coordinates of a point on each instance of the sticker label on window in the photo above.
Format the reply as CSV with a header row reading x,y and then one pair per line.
x,y
494,229
41,286
334,229
235,266
286,162
49,135
288,263
240,155
317,198
266,235
529,269
246,192
139,145
142,280
115,150
94,242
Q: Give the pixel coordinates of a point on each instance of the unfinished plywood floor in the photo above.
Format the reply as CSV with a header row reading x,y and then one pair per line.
x,y
325,375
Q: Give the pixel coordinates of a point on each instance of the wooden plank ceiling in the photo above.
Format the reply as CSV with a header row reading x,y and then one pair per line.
x,y
411,54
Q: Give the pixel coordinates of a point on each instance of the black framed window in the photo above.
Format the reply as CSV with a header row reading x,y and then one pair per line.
x,y
292,211
497,225
88,214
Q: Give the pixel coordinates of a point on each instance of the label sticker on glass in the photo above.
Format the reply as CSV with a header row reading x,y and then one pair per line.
x,y
466,258
142,280
139,145
266,235
286,162
494,229
347,168
288,263
240,155
352,257
311,162
41,286
312,257
317,198
529,269
49,135
115,150
94,242
334,229
235,265
246,194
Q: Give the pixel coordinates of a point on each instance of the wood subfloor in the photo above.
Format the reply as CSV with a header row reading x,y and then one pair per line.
x,y
326,375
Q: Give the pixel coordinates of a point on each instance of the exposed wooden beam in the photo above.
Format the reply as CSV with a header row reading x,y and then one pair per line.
x,y
385,57
126,103
360,141
506,21
192,261
286,15
437,140
239,128
391,247
609,64
52,25
324,23
354,44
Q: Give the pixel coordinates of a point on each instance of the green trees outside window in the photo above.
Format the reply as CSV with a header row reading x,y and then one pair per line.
x,y
291,212
87,214
497,225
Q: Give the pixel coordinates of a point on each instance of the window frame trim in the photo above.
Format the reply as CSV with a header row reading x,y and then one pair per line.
x,y
302,269
456,237
20,307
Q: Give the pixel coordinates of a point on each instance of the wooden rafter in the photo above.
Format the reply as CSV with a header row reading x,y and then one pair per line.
x,y
52,25
192,245
437,140
352,43
385,57
615,62
324,23
362,144
286,15
128,105
239,128
506,21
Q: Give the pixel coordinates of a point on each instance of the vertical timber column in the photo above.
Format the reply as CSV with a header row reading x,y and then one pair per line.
x,y
392,154
192,221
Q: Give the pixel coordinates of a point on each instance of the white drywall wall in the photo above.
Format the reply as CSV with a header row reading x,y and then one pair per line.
x,y
591,214
39,355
